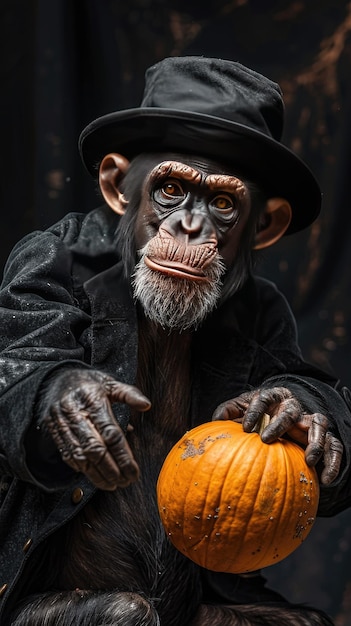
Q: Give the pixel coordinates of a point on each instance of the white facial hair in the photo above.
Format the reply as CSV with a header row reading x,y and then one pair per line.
x,y
176,303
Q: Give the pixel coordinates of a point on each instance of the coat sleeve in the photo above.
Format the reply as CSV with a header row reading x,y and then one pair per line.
x,y
317,391
40,330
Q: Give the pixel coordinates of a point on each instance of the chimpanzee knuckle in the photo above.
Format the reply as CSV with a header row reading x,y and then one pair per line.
x,y
289,412
335,446
330,472
251,418
256,395
229,404
265,395
57,431
53,413
113,436
74,457
276,394
262,402
284,392
230,409
313,453
73,465
114,461
238,405
91,449
292,408
219,413
129,468
112,386
68,407
87,405
57,428
282,422
67,424
245,398
94,472
74,399
320,420
293,402
296,406
119,449
317,434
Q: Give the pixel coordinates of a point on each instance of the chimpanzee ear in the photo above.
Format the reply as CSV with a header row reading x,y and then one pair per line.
x,y
274,222
113,168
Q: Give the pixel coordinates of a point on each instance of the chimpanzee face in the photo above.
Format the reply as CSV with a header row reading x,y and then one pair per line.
x,y
193,205
193,224
188,231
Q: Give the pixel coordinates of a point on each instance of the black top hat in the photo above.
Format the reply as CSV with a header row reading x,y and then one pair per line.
x,y
214,108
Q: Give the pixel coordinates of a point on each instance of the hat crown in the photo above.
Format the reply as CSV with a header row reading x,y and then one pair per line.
x,y
218,88
216,109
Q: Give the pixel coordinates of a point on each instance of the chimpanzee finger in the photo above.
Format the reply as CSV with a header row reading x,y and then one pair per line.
x,y
232,409
332,459
271,402
128,394
88,458
118,448
99,466
115,442
316,438
62,437
82,447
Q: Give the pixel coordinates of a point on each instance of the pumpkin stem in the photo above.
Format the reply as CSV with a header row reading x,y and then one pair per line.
x,y
262,423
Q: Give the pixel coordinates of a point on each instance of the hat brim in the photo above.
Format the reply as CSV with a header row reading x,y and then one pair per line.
x,y
270,163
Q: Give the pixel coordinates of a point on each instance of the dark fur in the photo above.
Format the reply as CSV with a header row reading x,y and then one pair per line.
x,y
260,615
84,608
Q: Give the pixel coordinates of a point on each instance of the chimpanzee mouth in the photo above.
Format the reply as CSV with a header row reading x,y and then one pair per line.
x,y
176,269
175,258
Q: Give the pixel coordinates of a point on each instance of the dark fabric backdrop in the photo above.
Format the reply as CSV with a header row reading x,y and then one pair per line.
x,y
65,62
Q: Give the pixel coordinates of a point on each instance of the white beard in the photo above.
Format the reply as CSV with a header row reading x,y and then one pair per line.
x,y
177,303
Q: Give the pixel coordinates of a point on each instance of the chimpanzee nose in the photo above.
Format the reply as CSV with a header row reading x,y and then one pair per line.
x,y
191,226
192,223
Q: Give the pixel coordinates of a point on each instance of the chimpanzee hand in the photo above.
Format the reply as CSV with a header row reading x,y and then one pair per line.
x,y
78,415
286,417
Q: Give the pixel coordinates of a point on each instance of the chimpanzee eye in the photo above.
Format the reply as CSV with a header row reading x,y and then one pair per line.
x,y
223,208
172,189
169,193
222,203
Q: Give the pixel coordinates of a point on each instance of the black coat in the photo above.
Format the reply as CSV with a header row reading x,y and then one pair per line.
x,y
64,303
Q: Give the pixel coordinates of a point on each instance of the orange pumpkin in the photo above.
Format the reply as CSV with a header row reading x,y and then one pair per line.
x,y
232,503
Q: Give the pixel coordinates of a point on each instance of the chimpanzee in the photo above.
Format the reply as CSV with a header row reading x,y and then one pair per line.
x,y
126,326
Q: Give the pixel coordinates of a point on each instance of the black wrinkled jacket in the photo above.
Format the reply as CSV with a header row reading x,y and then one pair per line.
x,y
64,303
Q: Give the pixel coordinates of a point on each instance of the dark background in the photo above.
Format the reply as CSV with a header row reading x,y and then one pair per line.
x,y
65,62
